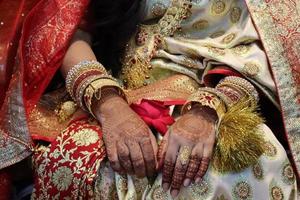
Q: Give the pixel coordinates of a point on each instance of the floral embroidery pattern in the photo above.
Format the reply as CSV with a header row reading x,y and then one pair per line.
x,y
62,178
242,190
85,137
70,164
258,171
287,174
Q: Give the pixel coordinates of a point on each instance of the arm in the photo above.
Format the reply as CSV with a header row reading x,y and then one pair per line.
x,y
124,133
232,104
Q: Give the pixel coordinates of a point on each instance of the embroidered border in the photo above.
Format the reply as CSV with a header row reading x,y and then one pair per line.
x,y
283,66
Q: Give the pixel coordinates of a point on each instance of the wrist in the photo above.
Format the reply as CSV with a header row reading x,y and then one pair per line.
x,y
110,99
204,111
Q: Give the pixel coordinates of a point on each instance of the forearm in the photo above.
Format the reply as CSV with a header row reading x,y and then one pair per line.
x,y
87,81
78,51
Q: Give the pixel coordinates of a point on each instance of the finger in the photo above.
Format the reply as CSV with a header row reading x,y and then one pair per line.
x,y
193,167
112,155
194,164
149,157
124,157
137,159
169,164
180,169
161,154
207,153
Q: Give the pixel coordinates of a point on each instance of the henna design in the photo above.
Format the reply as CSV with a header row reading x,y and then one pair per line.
x,y
203,167
167,171
193,166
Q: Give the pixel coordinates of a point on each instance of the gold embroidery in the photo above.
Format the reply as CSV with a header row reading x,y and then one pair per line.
x,y
174,87
201,24
216,51
277,193
229,38
270,149
218,7
158,9
159,194
251,69
235,14
287,174
136,64
258,171
217,34
241,50
242,190
85,137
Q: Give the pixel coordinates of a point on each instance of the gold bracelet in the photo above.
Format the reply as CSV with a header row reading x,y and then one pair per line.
x,y
93,90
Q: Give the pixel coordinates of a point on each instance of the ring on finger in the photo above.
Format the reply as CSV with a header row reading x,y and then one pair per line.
x,y
184,154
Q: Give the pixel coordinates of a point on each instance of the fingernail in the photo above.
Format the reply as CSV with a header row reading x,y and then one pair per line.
x,y
174,193
198,180
165,187
187,182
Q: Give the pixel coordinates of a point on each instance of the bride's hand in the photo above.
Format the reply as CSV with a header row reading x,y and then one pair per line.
x,y
185,151
130,145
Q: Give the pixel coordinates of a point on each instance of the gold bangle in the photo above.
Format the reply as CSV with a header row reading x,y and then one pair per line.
x,y
93,90
207,99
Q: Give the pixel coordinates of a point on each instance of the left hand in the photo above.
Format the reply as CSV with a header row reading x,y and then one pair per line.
x,y
186,149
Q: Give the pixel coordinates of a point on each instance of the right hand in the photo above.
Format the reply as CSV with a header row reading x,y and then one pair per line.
x,y
131,146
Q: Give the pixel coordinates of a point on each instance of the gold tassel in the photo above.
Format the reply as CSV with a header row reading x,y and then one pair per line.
x,y
240,143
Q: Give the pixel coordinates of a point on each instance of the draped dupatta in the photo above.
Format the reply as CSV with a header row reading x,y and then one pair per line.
x,y
278,24
46,33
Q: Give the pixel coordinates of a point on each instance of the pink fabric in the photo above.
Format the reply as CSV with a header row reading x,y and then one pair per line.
x,y
155,113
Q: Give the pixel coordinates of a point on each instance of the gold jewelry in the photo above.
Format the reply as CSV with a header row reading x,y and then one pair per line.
x,y
93,90
208,99
81,71
242,85
184,155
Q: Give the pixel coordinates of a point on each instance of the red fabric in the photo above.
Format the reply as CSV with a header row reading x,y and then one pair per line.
x,y
212,78
5,185
68,168
155,113
46,33
12,14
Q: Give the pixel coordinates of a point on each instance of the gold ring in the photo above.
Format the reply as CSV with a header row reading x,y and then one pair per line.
x,y
184,154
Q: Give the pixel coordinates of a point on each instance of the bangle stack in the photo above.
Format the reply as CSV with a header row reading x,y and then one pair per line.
x,y
85,81
236,88
228,92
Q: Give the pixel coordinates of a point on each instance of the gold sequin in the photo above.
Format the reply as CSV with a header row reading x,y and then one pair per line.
x,y
218,7
201,190
235,14
229,38
158,9
201,24
251,69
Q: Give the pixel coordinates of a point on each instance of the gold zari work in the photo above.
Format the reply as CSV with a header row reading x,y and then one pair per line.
x,y
137,65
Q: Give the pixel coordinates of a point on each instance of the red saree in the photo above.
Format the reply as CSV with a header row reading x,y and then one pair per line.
x,y
50,25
